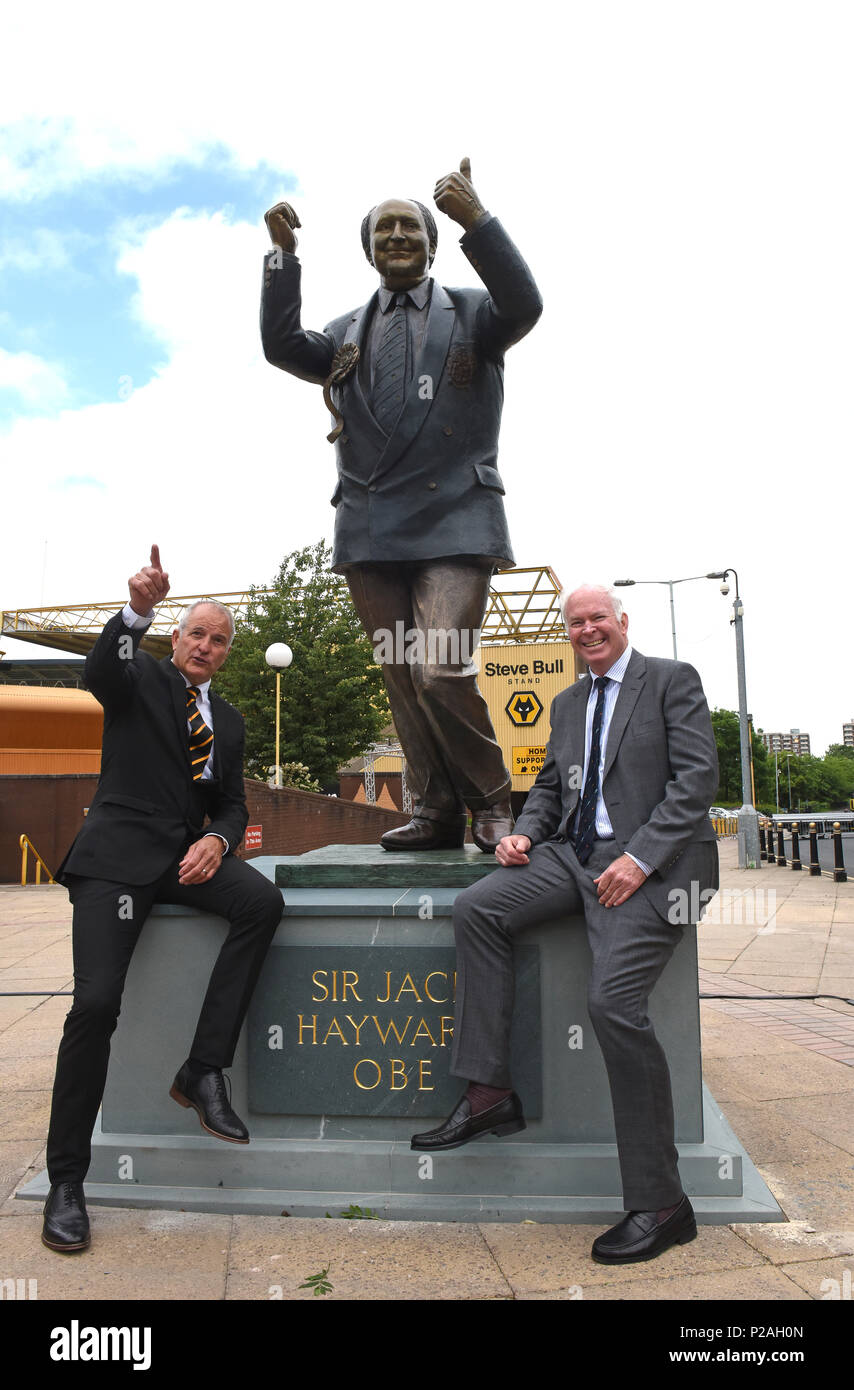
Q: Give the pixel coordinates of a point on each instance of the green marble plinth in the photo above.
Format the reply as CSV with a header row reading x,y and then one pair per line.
x,y
369,866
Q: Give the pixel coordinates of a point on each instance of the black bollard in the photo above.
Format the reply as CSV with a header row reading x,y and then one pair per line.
x,y
815,865
796,848
763,853
781,848
839,874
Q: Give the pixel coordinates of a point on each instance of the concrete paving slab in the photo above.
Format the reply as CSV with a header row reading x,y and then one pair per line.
x,y
730,1285
25,1114
375,1260
821,1195
534,1260
26,1073
771,1135
785,1074
830,1119
140,1255
824,1279
796,1241
17,1160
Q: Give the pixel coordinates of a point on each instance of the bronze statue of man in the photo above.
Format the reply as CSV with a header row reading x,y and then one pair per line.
x,y
419,524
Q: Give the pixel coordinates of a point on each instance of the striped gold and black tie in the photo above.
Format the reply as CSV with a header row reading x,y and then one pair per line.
x,y
201,737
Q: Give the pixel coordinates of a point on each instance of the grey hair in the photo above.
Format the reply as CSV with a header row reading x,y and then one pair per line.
x,y
208,603
613,597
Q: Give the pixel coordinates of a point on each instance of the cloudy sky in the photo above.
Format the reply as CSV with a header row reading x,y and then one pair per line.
x,y
678,176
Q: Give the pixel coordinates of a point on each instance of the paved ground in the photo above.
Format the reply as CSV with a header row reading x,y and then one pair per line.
x,y
782,1072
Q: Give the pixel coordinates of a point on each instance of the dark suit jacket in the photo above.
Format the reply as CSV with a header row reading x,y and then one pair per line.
x,y
147,807
660,775
431,489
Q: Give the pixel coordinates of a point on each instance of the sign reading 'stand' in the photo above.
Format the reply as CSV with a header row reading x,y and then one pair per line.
x,y
362,1030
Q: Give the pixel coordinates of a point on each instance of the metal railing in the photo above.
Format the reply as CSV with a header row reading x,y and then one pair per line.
x,y
725,826
26,844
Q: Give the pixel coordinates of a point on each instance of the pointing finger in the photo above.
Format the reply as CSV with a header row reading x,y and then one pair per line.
x,y
155,557
465,167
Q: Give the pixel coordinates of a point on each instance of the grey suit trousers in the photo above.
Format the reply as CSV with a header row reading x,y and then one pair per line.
x,y
630,946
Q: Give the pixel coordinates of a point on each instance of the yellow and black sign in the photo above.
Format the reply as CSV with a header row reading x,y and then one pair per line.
x,y
527,762
524,708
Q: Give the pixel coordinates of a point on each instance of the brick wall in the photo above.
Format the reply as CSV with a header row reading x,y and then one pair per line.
x,y
50,811
293,822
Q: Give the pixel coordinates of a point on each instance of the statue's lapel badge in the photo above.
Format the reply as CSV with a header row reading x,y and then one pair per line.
x,y
343,364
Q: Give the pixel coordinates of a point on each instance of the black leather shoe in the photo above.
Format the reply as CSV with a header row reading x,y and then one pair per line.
x,y
491,825
208,1097
422,833
641,1236
66,1223
504,1118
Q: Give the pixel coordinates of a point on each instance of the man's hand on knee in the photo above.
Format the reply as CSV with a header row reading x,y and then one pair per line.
x,y
201,861
619,881
512,850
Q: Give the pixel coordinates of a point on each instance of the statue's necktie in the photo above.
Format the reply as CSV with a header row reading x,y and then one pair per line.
x,y
201,737
585,825
390,367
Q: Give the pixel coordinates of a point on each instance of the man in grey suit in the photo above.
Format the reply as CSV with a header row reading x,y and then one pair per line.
x,y
417,374
616,826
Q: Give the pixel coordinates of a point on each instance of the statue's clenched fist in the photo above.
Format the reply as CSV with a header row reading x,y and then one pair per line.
x,y
281,221
455,195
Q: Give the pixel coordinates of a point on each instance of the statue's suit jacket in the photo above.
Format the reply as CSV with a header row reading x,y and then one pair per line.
x,y
147,808
431,489
659,778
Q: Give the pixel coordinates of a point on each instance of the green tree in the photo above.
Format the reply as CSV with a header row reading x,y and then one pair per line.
x,y
840,750
727,731
839,771
333,697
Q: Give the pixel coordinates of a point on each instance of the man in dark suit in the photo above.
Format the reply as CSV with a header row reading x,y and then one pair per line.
x,y
616,826
172,756
417,375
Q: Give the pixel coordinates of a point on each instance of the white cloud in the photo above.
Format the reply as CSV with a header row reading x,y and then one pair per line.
x,y
38,384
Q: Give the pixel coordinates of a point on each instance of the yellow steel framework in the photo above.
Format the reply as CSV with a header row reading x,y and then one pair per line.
x,y
523,607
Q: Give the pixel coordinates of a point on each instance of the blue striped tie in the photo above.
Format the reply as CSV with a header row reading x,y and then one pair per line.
x,y
585,826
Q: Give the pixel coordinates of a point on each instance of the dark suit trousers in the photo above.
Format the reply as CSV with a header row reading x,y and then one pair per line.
x,y
630,946
452,757
108,918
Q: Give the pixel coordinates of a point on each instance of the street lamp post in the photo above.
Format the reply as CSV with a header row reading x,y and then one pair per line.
x,y
279,656
748,820
626,583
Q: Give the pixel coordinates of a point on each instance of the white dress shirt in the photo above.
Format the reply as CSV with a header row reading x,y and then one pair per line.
x,y
604,829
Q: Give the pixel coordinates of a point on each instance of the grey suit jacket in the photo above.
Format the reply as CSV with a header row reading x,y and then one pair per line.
x,y
659,778
431,489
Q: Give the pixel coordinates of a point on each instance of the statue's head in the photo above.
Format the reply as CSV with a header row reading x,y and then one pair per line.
x,y
399,239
